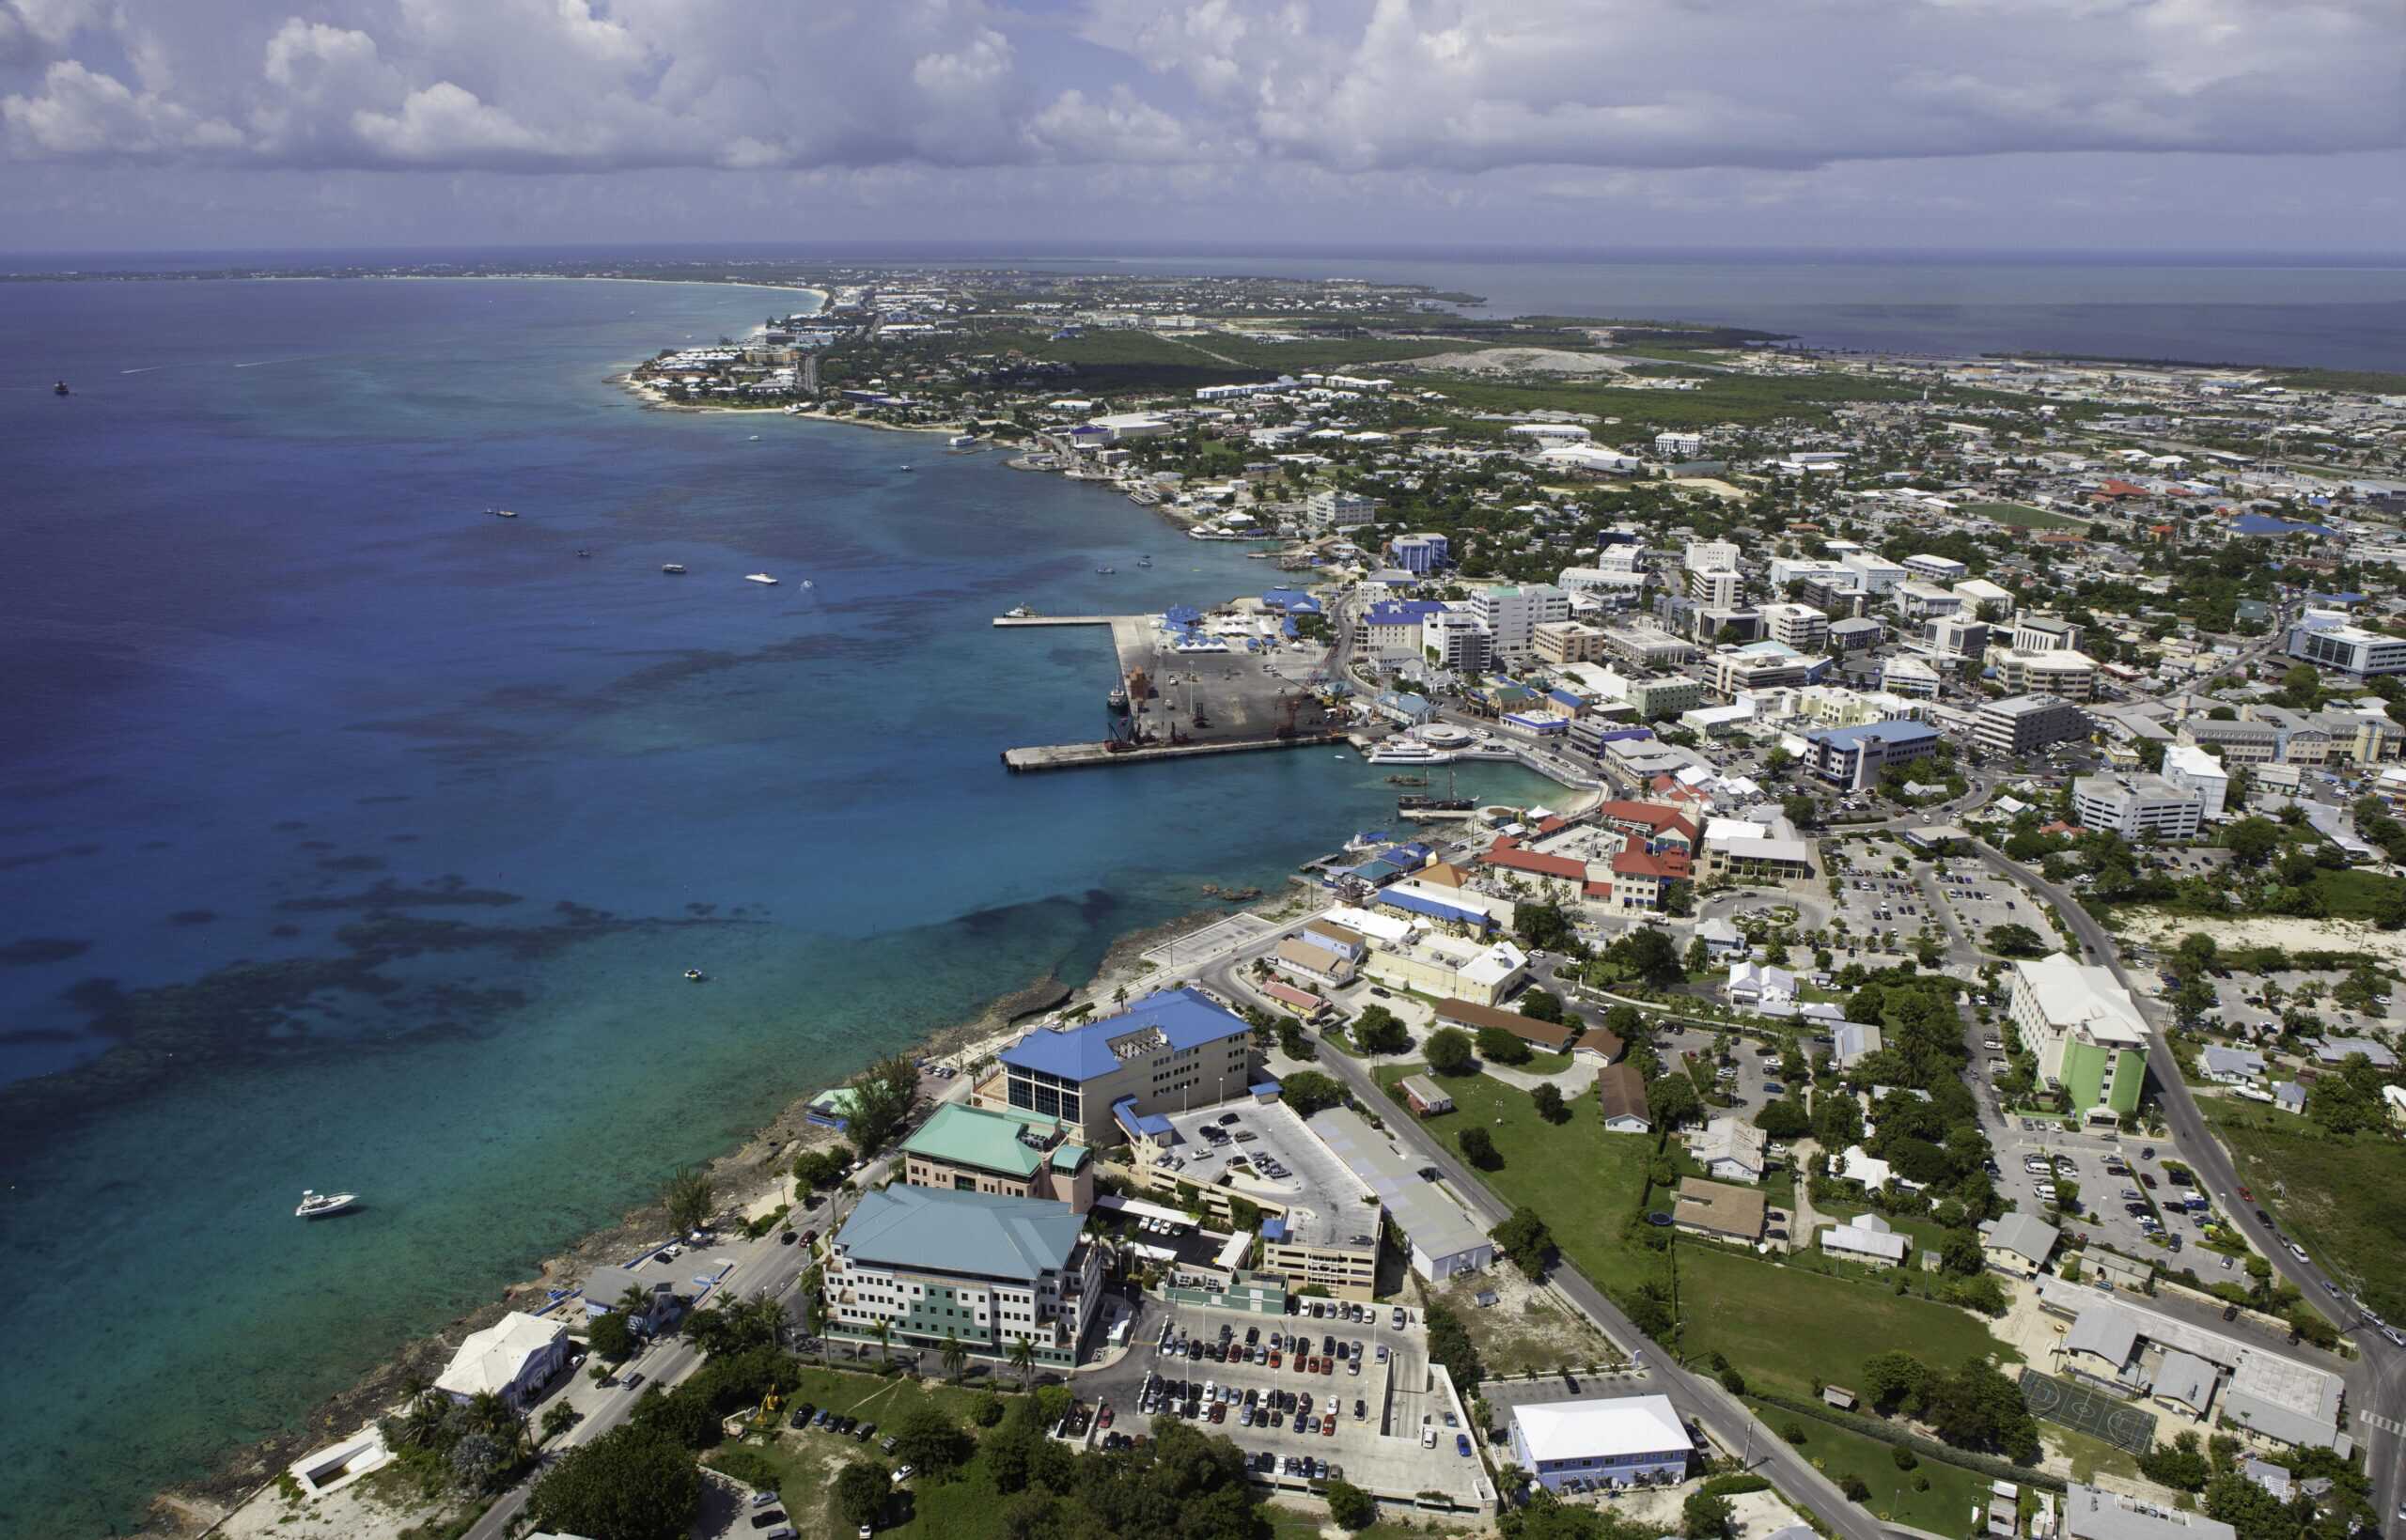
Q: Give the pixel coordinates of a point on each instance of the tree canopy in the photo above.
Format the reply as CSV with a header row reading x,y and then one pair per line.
x,y
630,1483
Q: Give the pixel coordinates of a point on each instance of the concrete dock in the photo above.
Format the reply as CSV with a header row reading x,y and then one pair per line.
x,y
1056,756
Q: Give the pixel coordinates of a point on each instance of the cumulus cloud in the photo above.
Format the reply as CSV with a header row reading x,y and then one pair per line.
x,y
1444,87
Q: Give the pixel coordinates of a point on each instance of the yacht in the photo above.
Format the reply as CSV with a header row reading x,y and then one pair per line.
x,y
1018,612
696,976
504,513
1144,560
753,439
675,569
1106,571
317,1205
760,577
902,467
963,440
61,389
1406,751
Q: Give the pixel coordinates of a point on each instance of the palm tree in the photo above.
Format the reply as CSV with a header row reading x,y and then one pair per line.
x,y
883,1332
1024,1359
955,1356
634,1302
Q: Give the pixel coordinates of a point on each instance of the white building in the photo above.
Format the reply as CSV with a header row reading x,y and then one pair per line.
x,y
1513,613
1867,1238
1937,568
1874,574
1334,509
1798,625
2136,806
2193,768
2088,1035
1678,445
1730,1149
513,1359
1613,1442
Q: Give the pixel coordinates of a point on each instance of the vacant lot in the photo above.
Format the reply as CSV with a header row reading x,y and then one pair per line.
x,y
2344,1199
1945,1508
1586,1182
1788,1328
1527,1330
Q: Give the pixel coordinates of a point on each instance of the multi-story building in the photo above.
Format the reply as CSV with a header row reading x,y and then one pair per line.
x,y
2364,737
1678,447
1875,574
1798,625
941,1265
2137,806
1640,879
1918,601
1711,555
2046,633
1003,1153
2328,642
1175,1048
1450,968
1648,647
1762,665
1717,586
1333,509
1909,678
1512,613
1319,1228
1784,571
1955,637
1391,633
1654,699
2021,724
1840,601
1852,758
2088,1035
1569,642
2194,769
1620,1443
1985,600
2071,676
1455,639
1937,568
2237,743
1419,554
1855,635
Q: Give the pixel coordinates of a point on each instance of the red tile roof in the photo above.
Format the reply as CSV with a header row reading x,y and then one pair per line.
x,y
1634,862
1506,854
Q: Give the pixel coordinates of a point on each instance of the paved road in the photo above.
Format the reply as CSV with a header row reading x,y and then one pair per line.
x,y
2376,1383
1694,1397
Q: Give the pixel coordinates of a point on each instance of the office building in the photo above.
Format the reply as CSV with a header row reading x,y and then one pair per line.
x,y
1391,633
2046,633
1455,639
2193,770
1852,758
1618,1441
1171,1049
2137,806
1717,586
2328,642
1419,554
1655,699
1003,1153
1333,509
938,1266
1512,613
1937,568
2021,724
1568,642
2088,1035
1797,626
1875,575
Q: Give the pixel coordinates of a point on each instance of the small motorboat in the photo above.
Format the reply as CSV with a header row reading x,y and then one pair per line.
x,y
582,551
696,976
1144,560
61,389
1106,571
753,439
317,1205
902,467
675,569
503,513
761,578
1018,612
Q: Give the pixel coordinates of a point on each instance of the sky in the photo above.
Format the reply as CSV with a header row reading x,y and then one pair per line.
x,y
2070,125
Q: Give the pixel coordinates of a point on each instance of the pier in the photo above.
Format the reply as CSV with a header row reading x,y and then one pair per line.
x,y
1058,757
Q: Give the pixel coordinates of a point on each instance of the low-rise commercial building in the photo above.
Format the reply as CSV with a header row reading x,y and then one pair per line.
x,y
1005,1153
1174,1049
1450,968
1617,1443
1442,1238
2137,806
1852,758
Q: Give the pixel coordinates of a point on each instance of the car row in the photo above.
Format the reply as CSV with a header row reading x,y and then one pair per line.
x,y
827,1420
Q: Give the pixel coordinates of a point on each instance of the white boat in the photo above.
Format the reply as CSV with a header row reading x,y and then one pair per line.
x,y
963,440
504,513
317,1205
902,467
1406,753
673,569
760,577
753,439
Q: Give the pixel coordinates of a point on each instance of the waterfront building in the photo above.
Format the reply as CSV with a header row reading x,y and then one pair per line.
x,y
1390,632
940,1266
1334,509
513,1359
1005,1153
1175,1048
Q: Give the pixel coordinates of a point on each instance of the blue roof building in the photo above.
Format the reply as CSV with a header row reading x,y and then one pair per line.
x,y
1166,1052
1292,600
1852,758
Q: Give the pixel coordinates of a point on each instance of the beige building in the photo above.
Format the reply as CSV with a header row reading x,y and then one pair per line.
x,y
1568,642
1007,1154
1450,968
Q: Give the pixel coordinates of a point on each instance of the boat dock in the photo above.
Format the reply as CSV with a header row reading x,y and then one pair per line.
x,y
1065,620
1059,756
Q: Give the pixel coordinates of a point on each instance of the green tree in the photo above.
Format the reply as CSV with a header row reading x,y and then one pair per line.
x,y
1646,953
956,1357
2252,841
558,1418
1448,1052
1449,1343
1478,1148
1308,1091
882,1096
860,1490
1351,1507
611,1337
1672,1099
1706,1515
1893,1380
1496,1046
1024,1359
689,1196
1378,1030
1524,1237
2179,1463
2015,940
1541,1005
929,1438
1549,1102
630,1483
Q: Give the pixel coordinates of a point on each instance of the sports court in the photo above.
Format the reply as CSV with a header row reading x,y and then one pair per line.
x,y
2090,1411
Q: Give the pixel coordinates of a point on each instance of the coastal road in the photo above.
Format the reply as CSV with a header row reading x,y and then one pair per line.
x,y
1696,1397
2377,1382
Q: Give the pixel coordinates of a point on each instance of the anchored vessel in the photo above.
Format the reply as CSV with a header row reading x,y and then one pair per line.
x,y
317,1205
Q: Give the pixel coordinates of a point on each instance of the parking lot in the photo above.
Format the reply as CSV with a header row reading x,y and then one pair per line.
x,y
1363,1415
1884,909
1982,901
2104,1194
1752,1073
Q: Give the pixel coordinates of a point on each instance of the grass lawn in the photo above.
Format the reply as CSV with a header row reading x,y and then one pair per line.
x,y
1787,1327
1583,1181
2021,515
2344,1199
2089,1456
2352,892
1839,1453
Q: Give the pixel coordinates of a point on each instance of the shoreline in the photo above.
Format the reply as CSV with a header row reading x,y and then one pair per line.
x,y
751,1179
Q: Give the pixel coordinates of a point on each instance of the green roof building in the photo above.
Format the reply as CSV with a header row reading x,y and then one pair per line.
x,y
1001,1151
942,1264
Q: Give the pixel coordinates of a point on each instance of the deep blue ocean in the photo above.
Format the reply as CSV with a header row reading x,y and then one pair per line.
x,y
351,838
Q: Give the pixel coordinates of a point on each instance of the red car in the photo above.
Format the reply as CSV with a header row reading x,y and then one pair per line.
x,y
1102,1418
2245,1195
1328,1429
1327,1366
1277,1361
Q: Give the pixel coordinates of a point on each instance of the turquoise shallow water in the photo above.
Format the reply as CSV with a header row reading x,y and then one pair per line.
x,y
360,840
